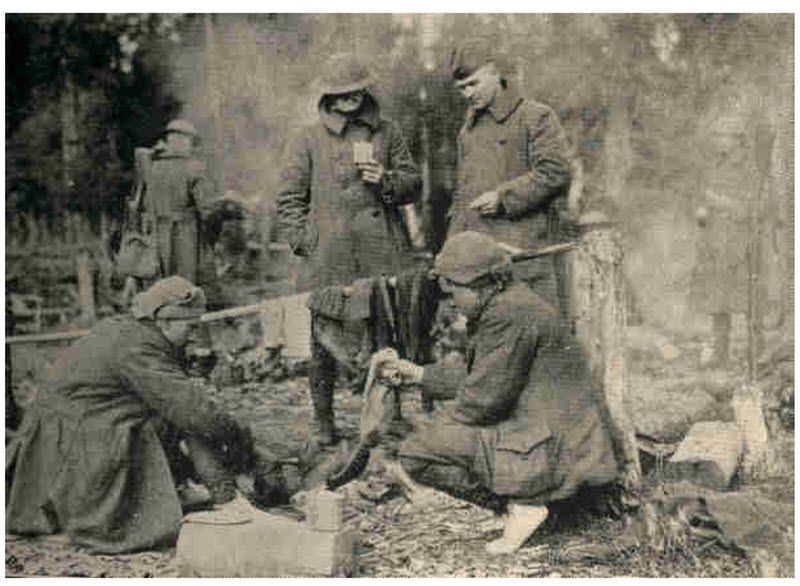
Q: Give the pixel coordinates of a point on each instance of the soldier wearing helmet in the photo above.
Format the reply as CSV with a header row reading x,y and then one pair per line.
x,y
177,193
524,427
343,181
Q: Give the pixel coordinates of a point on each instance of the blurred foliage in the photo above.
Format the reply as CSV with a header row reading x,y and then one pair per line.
x,y
109,59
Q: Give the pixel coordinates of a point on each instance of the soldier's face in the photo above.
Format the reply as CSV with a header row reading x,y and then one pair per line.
x,y
348,103
180,143
461,297
480,88
178,331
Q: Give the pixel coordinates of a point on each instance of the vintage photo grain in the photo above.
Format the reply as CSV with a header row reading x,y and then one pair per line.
x,y
399,295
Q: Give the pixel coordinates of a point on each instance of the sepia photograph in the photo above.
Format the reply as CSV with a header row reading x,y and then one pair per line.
x,y
399,295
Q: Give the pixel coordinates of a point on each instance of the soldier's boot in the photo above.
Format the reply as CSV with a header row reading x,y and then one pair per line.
x,y
230,506
269,484
214,476
322,399
522,521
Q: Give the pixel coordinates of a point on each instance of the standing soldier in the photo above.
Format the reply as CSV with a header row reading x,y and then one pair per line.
x,y
343,184
513,168
177,193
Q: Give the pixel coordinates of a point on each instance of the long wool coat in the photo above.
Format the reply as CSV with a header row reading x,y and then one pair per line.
x,y
328,213
523,401
177,194
518,148
88,461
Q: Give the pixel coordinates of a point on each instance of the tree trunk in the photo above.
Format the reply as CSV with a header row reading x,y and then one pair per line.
x,y
599,309
214,93
69,129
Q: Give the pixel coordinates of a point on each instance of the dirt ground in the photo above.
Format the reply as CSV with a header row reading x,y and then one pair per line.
x,y
448,538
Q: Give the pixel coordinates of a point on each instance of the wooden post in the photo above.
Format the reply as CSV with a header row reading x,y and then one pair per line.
x,y
86,286
600,307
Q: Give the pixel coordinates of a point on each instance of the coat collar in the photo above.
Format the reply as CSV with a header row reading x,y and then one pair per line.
x,y
506,101
336,122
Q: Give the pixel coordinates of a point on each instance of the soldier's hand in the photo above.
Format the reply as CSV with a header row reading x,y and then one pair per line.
x,y
411,373
371,171
487,204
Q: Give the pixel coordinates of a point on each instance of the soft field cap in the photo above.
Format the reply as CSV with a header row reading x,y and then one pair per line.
x,y
170,298
344,73
181,126
467,256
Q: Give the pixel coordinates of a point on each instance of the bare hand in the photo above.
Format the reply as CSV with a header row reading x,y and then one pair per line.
x,y
371,171
487,204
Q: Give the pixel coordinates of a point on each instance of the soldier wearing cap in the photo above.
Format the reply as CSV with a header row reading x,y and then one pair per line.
x,y
344,178
524,427
97,456
513,167
178,195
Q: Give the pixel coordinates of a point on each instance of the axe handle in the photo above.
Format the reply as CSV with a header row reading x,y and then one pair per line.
x,y
546,251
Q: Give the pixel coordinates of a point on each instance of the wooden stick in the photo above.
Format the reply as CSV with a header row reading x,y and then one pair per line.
x,y
51,337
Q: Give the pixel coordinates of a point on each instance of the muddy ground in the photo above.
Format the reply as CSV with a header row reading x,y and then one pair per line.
x,y
448,538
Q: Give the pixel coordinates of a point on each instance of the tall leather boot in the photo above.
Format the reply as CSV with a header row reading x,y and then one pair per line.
x,y
322,376
219,481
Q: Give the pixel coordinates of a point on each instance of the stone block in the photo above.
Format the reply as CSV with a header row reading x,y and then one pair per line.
x,y
270,546
709,455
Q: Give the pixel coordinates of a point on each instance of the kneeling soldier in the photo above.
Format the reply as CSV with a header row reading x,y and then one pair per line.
x,y
525,428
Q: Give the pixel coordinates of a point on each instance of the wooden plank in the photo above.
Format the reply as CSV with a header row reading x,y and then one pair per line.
x,y
86,287
51,337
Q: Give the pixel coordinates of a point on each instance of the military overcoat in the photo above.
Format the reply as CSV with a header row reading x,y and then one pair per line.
x,y
524,408
348,228
88,461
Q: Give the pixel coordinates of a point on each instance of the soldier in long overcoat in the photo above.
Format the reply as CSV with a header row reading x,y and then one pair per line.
x,y
513,168
342,182
525,425
88,460
179,195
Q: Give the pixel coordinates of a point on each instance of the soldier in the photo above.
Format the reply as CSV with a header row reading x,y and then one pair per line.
x,y
525,428
513,167
177,192
342,184
97,456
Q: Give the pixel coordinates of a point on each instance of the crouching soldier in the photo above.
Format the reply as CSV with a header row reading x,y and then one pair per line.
x,y
525,428
97,455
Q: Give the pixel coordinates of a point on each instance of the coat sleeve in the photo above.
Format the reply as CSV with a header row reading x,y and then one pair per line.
x,y
443,380
548,158
149,369
294,196
402,180
504,354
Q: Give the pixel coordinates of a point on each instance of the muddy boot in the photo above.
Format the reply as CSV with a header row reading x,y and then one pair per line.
x,y
269,484
216,478
321,381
